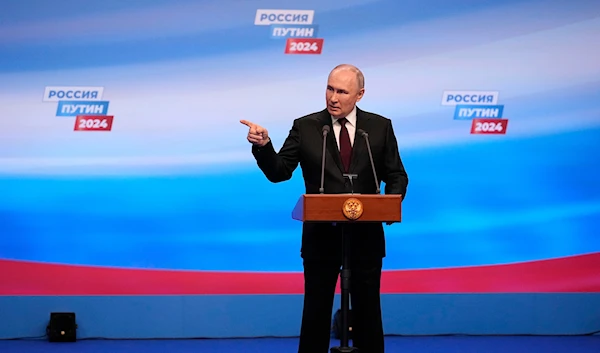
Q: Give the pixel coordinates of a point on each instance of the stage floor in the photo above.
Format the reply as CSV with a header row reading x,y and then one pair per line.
x,y
428,344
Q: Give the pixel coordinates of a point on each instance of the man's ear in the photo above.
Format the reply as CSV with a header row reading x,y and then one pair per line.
x,y
361,93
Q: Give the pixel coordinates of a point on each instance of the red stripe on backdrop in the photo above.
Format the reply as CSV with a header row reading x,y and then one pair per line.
x,y
569,274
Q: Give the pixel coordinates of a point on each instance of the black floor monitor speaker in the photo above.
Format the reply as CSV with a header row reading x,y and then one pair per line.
x,y
62,327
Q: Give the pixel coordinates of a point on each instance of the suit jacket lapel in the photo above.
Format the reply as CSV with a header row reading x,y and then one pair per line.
x,y
359,148
332,149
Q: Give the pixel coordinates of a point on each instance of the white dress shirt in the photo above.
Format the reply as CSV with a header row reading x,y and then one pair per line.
x,y
350,125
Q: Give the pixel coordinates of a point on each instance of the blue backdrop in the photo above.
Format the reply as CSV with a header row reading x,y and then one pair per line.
x,y
173,185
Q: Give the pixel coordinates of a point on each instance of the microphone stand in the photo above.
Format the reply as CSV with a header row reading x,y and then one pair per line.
x,y
325,132
364,134
345,273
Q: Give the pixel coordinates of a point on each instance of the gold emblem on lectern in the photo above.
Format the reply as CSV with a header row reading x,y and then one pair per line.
x,y
352,208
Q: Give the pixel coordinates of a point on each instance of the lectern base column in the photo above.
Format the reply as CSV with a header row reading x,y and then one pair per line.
x,y
344,350
345,275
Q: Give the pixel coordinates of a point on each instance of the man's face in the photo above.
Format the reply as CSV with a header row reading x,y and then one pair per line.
x,y
342,93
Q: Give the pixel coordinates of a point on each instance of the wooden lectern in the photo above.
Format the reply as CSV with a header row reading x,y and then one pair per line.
x,y
343,209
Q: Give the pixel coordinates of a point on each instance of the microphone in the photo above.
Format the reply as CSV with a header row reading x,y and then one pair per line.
x,y
326,129
364,134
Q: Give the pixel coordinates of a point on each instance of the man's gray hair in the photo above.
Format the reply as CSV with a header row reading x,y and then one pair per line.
x,y
360,78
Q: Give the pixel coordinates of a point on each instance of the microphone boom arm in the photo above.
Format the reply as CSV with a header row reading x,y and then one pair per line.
x,y
325,132
366,136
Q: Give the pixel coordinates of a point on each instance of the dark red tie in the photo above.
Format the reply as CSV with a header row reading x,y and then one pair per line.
x,y
345,145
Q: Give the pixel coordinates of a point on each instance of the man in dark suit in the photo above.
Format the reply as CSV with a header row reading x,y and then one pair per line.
x,y
321,250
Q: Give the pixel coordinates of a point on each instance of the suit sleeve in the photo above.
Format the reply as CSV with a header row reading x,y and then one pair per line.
x,y
395,177
278,167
